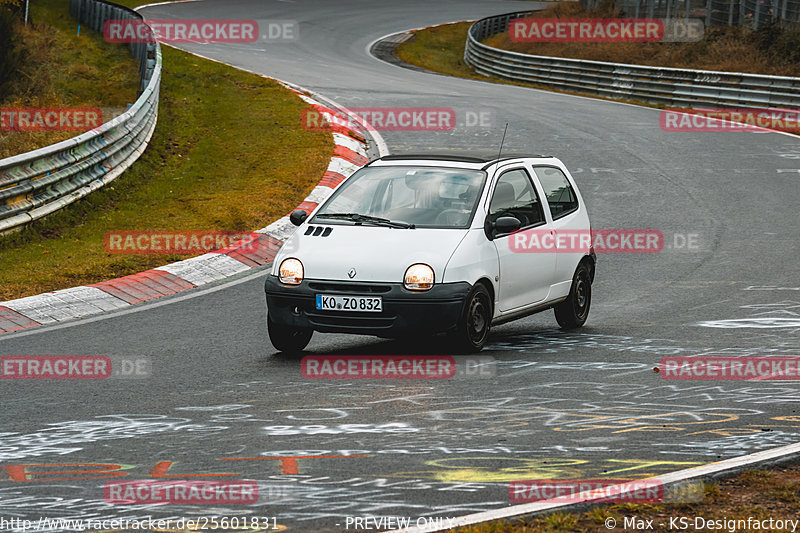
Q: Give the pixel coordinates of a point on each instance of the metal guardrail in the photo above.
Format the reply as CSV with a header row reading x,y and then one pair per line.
x,y
38,183
659,85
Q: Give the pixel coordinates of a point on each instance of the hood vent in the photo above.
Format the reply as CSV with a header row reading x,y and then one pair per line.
x,y
318,231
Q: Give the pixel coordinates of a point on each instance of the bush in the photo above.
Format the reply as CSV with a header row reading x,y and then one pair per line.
x,y
9,52
780,43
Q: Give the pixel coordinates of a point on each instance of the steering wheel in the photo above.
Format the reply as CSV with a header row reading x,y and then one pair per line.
x,y
450,217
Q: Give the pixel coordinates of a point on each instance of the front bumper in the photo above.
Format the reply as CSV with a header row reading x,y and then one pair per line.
x,y
435,311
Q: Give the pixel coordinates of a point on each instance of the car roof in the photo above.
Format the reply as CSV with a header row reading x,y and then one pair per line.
x,y
451,160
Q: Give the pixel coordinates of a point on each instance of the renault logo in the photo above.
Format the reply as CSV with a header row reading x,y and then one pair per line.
x,y
352,273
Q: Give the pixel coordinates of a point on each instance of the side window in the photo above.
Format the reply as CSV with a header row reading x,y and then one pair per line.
x,y
515,196
558,191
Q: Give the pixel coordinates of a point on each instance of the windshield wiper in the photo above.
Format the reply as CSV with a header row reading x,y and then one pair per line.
x,y
358,218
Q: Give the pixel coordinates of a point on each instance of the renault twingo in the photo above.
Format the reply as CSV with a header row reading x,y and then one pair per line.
x,y
420,245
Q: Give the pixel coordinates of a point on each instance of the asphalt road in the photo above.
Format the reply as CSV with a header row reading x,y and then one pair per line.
x,y
546,404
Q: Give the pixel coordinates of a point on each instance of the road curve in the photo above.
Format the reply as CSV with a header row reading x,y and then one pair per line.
x,y
549,405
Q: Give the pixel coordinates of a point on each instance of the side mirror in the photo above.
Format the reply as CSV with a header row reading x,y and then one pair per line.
x,y
298,217
501,226
506,225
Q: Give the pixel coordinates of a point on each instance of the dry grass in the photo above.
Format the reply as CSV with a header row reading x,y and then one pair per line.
x,y
59,68
723,48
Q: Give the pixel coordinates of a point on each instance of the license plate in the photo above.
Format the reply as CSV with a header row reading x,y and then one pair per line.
x,y
367,304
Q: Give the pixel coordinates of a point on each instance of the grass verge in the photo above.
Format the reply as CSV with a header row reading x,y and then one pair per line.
x,y
59,68
770,50
228,154
759,494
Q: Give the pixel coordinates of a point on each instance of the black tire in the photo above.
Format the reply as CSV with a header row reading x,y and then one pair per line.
x,y
475,322
287,338
573,312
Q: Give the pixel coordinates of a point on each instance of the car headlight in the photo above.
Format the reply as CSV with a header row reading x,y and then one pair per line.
x,y
419,277
291,271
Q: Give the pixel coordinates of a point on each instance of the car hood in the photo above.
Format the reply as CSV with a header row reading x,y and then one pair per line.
x,y
376,253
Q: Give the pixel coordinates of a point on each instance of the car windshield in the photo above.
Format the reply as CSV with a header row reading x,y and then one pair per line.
x,y
406,197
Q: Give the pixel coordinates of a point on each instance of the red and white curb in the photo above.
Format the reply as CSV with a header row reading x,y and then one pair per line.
x,y
350,153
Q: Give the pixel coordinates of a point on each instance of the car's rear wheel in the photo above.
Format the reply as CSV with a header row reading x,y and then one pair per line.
x,y
288,338
573,312
473,327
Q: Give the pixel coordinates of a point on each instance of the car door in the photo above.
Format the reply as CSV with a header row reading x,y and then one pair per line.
x,y
525,276
568,221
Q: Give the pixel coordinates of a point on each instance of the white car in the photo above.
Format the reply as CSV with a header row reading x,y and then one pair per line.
x,y
420,245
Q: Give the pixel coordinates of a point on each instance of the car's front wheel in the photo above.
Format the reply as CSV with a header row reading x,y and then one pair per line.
x,y
573,312
288,338
473,327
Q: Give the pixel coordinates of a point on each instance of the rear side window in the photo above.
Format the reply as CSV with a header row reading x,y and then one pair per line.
x,y
558,191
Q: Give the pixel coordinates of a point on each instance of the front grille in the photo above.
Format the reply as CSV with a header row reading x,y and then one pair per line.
x,y
351,288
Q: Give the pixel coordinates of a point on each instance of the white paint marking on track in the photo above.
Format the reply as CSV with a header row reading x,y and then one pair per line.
x,y
163,4
710,469
757,323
